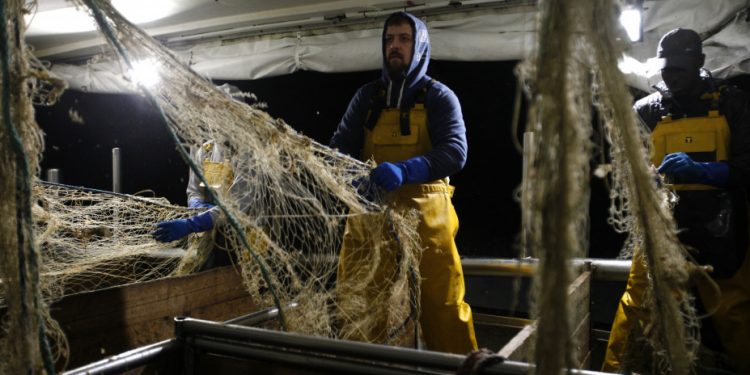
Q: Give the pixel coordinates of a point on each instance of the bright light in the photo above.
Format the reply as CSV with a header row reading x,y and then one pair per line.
x,y
63,20
630,19
70,20
629,65
145,73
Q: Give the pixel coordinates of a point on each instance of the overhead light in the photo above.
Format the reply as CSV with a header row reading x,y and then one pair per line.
x,y
63,20
145,73
631,18
71,20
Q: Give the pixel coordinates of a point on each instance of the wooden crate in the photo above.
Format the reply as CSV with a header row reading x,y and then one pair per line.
x,y
109,321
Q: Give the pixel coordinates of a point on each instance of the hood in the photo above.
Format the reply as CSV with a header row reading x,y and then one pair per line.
x,y
418,66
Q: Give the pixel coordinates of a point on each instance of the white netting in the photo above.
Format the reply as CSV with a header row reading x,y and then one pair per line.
x,y
285,213
292,197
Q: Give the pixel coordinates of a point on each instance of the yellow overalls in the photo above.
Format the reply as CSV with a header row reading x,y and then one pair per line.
x,y
446,319
220,176
704,139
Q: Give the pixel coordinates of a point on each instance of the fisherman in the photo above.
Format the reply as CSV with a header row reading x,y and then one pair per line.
x,y
412,126
701,145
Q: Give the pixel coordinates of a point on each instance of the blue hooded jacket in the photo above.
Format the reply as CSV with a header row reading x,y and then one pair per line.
x,y
444,119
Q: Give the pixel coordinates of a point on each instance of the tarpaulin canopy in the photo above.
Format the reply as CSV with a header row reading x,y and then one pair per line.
x,y
485,31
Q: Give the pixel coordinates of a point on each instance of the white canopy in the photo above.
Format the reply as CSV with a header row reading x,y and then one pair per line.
x,y
350,40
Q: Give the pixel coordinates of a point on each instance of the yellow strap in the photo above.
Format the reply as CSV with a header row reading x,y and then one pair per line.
x,y
441,186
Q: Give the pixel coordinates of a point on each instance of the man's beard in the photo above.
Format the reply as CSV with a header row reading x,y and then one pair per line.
x,y
397,69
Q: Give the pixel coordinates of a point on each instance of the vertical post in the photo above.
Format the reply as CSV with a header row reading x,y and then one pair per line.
x,y
53,175
528,159
116,182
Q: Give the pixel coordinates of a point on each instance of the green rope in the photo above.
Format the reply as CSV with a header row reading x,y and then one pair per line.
x,y
24,230
234,223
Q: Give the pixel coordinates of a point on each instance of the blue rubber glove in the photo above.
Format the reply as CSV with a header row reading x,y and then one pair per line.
x,y
197,203
683,170
390,176
173,230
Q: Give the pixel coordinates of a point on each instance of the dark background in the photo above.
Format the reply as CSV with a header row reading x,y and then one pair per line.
x,y
313,103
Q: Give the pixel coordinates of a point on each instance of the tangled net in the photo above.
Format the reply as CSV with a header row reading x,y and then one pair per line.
x,y
285,212
292,197
575,70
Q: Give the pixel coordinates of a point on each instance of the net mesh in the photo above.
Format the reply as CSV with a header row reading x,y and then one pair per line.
x,y
292,197
284,214
21,143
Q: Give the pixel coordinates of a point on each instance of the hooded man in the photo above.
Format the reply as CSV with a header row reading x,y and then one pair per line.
x,y
701,145
412,126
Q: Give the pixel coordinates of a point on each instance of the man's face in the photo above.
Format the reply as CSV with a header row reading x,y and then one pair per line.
x,y
681,81
399,44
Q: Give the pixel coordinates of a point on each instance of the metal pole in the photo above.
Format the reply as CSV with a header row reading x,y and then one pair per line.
x,y
603,269
116,181
53,175
299,359
195,330
528,158
259,317
129,360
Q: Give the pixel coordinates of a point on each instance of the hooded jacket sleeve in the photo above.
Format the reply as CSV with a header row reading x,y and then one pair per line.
x,y
350,134
447,132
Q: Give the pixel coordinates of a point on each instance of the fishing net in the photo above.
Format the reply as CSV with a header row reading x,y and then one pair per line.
x,y
573,71
284,215
25,319
291,199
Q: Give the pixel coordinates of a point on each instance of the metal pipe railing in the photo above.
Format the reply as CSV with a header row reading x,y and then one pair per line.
x,y
308,361
216,336
603,269
129,360
259,317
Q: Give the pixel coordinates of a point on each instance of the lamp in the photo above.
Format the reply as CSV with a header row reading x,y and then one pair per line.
x,y
631,19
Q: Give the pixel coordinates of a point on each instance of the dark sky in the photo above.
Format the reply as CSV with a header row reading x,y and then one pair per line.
x,y
313,103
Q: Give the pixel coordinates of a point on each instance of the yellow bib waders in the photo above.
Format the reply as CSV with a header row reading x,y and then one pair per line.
x,y
220,176
446,320
704,139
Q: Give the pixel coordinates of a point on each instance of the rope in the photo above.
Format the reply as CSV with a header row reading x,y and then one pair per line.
x,y
479,360
24,230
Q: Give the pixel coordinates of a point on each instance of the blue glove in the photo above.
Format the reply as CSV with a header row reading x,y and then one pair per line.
x,y
173,230
197,203
683,170
390,176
